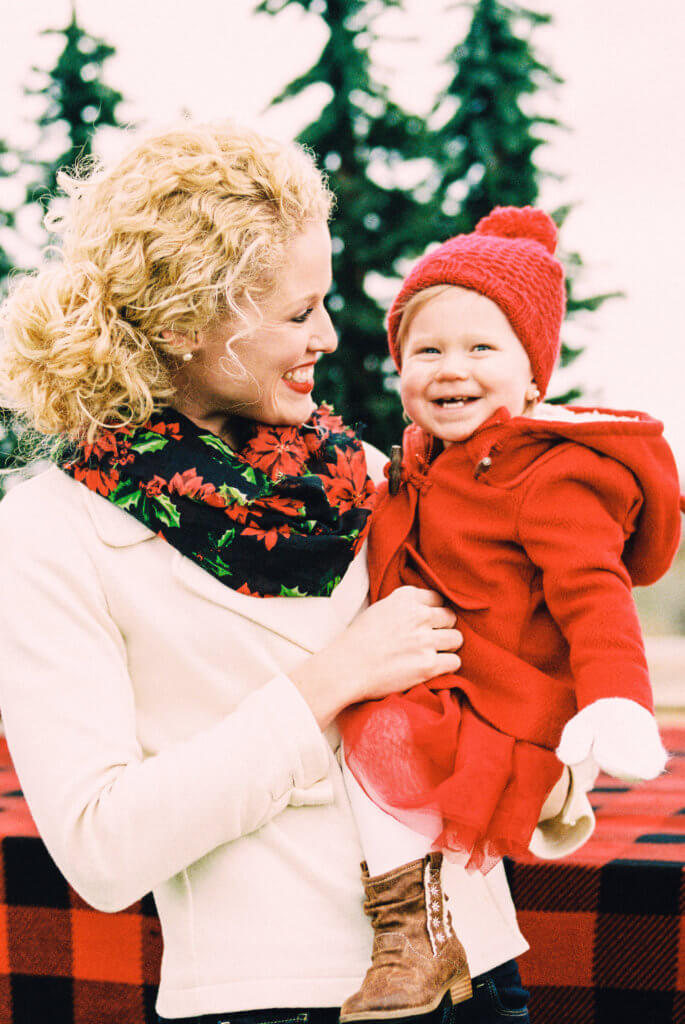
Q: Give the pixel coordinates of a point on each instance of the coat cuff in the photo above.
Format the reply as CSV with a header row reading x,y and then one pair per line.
x,y
306,764
573,825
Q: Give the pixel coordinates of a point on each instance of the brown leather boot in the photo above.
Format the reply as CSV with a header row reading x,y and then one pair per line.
x,y
416,956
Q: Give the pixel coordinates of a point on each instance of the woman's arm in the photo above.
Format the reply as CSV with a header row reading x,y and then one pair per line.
x,y
405,639
117,823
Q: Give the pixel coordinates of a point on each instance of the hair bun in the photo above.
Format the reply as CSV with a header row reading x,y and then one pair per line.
x,y
520,222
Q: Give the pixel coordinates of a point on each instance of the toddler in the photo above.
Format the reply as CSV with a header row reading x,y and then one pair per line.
x,y
533,521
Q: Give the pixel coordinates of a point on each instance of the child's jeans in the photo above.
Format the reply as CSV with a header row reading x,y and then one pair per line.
x,y
497,997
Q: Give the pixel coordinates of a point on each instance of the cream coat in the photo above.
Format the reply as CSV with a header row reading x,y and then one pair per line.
x,y
161,746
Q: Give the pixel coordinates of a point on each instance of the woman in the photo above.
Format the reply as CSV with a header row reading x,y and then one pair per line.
x,y
168,692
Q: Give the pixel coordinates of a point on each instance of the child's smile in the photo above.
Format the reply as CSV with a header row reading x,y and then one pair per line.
x,y
461,361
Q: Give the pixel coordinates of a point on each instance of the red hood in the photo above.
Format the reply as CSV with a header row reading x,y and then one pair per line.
x,y
514,445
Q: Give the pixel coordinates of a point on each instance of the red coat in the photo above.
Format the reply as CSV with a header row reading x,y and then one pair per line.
x,y
534,531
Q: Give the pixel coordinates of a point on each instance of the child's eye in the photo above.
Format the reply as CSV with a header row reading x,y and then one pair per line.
x,y
301,317
428,350
482,346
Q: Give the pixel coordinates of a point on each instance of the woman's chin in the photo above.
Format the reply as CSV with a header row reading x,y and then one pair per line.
x,y
292,413
302,407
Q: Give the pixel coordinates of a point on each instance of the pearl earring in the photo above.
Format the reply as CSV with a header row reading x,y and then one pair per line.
x,y
187,356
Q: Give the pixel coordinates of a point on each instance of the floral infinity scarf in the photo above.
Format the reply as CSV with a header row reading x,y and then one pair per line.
x,y
283,516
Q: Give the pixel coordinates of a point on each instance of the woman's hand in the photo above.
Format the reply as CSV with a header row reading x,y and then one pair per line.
x,y
405,639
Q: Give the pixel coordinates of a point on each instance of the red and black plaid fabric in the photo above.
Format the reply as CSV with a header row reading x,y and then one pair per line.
x,y
61,962
606,926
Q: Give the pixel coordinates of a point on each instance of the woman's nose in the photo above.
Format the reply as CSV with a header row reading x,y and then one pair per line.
x,y
324,337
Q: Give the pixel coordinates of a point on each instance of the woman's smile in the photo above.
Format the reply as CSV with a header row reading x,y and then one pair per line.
x,y
300,378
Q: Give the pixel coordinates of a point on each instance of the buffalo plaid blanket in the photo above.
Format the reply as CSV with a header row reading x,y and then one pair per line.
x,y
61,962
606,926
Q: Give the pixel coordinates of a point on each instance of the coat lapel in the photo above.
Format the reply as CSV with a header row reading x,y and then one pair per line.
x,y
115,527
309,622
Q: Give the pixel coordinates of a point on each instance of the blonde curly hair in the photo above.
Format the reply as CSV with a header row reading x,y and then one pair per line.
x,y
191,225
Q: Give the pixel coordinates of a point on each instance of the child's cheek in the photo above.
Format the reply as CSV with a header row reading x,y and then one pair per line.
x,y
409,393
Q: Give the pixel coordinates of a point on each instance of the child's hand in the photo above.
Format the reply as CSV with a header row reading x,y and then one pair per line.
x,y
621,735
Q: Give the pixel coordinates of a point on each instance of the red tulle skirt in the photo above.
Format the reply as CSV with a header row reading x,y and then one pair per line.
x,y
426,758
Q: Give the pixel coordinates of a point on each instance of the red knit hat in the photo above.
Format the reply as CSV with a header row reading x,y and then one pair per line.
x,y
509,258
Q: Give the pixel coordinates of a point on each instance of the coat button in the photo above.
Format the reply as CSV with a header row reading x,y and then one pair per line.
x,y
483,466
395,472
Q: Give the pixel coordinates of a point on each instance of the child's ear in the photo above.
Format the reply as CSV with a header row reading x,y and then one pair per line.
x,y
532,392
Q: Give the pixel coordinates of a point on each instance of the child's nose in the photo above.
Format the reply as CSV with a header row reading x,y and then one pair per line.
x,y
454,367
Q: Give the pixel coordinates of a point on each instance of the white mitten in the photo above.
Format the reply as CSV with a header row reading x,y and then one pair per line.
x,y
621,735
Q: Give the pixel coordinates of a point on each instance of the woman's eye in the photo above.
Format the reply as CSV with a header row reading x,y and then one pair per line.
x,y
301,317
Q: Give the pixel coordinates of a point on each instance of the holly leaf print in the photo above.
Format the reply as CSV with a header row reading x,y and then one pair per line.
x,y
127,498
226,539
166,510
233,494
215,442
292,592
249,474
218,565
150,443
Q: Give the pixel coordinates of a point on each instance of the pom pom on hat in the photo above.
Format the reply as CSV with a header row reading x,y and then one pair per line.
x,y
520,222
509,259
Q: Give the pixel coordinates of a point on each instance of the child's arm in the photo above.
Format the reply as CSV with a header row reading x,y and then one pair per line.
x,y
575,517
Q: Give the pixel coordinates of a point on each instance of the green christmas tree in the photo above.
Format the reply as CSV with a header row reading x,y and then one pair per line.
x,y
487,140
77,98
487,145
362,139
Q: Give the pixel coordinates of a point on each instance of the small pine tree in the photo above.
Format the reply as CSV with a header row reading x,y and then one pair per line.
x,y
361,138
76,98
486,142
486,145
